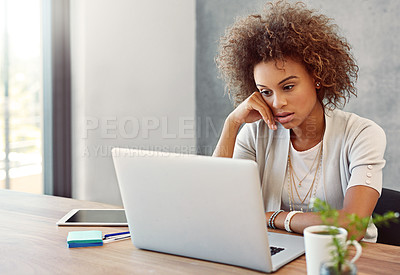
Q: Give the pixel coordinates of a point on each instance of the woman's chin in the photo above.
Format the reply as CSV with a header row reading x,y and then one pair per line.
x,y
287,125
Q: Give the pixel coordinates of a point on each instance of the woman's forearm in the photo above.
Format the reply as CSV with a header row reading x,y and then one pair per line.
x,y
302,220
298,221
226,143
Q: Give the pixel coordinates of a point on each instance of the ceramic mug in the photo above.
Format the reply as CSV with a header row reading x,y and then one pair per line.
x,y
318,244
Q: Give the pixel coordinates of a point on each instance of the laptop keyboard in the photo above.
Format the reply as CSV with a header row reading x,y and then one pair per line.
x,y
275,250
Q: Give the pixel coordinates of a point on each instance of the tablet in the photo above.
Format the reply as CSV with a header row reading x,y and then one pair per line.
x,y
94,217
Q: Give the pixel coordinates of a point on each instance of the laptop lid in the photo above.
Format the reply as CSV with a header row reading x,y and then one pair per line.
x,y
194,206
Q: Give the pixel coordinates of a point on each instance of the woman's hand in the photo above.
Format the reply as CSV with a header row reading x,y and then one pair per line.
x,y
252,109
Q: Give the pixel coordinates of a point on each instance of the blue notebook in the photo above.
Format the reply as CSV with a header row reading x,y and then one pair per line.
x,y
93,236
73,245
84,238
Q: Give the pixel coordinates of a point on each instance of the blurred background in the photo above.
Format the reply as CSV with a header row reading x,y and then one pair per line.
x,y
79,77
21,96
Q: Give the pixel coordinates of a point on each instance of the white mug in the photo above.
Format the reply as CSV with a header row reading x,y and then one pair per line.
x,y
319,246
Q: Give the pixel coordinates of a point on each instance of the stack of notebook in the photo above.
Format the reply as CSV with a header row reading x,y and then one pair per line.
x,y
84,239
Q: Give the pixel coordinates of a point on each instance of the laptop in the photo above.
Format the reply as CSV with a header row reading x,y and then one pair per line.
x,y
201,207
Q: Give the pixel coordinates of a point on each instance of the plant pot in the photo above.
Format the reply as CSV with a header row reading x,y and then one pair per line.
x,y
347,268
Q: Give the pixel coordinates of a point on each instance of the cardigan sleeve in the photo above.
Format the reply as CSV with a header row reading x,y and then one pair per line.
x,y
245,146
366,157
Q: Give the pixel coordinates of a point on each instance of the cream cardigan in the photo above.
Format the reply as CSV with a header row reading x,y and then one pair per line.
x,y
353,150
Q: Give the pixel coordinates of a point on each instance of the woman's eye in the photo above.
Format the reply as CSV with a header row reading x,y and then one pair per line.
x,y
288,87
266,92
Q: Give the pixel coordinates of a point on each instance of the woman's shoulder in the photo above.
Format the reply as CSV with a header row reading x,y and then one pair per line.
x,y
260,130
350,121
253,130
353,125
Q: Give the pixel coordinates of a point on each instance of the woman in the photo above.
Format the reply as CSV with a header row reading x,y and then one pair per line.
x,y
288,71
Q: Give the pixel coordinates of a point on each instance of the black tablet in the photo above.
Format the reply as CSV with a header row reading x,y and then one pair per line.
x,y
94,217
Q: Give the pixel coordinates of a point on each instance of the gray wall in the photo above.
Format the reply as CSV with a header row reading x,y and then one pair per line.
x,y
371,27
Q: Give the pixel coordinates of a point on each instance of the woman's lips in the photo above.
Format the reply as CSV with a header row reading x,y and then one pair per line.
x,y
284,117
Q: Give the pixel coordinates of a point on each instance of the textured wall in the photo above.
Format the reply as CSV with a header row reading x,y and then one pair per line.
x,y
371,27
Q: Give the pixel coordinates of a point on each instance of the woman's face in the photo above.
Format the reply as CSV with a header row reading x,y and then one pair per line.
x,y
290,92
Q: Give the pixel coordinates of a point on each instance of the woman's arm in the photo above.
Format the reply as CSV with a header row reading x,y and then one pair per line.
x,y
366,164
359,200
226,142
252,109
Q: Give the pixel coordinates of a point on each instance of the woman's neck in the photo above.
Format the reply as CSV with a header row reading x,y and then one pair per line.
x,y
310,132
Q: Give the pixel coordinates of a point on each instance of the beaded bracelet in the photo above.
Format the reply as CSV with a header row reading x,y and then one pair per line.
x,y
271,221
289,218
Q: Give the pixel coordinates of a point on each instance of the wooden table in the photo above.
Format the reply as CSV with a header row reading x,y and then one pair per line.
x,y
32,243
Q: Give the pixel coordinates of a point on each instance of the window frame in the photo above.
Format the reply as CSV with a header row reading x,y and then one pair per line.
x,y
57,171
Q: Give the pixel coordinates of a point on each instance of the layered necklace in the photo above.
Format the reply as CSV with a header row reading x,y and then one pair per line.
x,y
294,186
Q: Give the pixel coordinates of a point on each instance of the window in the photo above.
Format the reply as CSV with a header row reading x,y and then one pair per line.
x,y
21,93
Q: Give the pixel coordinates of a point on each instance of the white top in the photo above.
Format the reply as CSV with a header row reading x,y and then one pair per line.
x,y
353,155
305,164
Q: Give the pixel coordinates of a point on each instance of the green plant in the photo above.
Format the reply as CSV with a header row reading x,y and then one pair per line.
x,y
330,217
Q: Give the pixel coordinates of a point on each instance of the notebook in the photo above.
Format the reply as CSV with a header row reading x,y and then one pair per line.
x,y
201,207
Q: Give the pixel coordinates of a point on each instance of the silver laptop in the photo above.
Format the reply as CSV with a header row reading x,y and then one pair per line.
x,y
200,207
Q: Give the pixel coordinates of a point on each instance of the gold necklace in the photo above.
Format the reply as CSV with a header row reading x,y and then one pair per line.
x,y
314,184
300,181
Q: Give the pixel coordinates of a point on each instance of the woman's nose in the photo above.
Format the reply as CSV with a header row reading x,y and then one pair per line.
x,y
279,101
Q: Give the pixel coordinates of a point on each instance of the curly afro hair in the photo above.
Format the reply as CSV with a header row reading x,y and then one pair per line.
x,y
282,31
